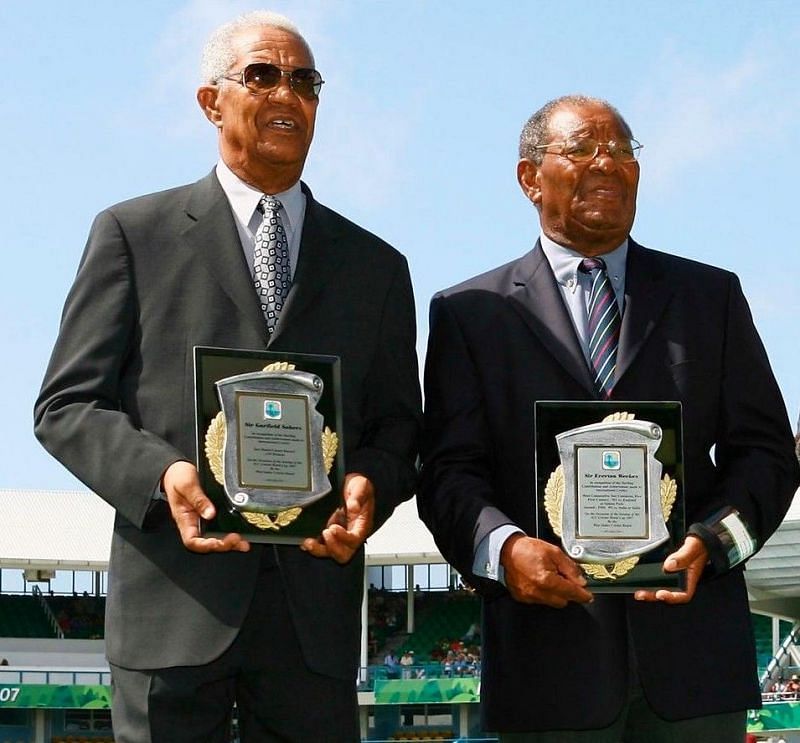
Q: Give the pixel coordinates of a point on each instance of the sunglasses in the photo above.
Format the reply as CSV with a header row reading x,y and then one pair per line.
x,y
261,77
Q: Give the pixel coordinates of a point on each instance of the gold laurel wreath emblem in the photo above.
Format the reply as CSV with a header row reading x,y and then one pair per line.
x,y
214,447
554,498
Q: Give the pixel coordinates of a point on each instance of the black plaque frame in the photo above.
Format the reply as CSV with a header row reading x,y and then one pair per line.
x,y
212,364
555,417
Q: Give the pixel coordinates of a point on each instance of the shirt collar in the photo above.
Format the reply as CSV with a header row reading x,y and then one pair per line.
x,y
244,198
565,261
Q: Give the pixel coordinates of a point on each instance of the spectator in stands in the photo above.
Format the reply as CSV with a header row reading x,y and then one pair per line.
x,y
4,662
476,663
792,690
776,689
406,661
197,622
392,668
447,664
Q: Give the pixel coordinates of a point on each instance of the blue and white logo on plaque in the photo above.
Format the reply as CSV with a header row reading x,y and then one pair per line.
x,y
272,410
611,460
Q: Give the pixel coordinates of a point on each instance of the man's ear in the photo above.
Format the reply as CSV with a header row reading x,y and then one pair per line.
x,y
207,99
528,177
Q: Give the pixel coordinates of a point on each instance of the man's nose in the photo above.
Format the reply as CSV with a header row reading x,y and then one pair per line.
x,y
603,161
282,88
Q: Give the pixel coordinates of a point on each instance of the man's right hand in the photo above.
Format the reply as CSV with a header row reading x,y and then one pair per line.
x,y
537,572
188,504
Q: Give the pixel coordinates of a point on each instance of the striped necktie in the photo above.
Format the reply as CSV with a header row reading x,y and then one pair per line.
x,y
604,324
271,274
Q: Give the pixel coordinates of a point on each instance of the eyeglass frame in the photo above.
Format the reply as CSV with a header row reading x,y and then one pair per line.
x,y
239,77
636,146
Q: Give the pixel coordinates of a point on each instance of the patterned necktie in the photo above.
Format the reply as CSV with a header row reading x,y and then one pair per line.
x,y
271,262
604,324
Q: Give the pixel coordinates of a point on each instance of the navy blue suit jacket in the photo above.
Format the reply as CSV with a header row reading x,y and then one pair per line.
x,y
503,340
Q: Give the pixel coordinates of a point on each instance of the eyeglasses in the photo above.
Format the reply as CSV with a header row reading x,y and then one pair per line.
x,y
585,149
261,77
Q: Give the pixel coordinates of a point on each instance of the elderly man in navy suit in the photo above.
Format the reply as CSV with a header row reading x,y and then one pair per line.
x,y
590,314
195,624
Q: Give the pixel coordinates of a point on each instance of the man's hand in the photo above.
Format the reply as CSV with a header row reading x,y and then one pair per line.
x,y
537,572
691,557
349,525
188,504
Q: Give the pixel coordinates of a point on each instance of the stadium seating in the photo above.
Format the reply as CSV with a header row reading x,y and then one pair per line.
x,y
448,616
80,617
22,616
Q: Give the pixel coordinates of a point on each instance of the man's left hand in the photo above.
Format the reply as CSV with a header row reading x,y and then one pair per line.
x,y
349,525
691,557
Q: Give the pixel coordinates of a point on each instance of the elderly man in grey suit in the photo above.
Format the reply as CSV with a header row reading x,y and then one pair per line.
x,y
196,623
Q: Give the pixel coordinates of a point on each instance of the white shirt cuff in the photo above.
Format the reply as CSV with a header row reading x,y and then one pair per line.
x,y
487,555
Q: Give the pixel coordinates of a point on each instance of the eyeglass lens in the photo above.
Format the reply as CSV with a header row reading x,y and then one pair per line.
x,y
586,148
261,77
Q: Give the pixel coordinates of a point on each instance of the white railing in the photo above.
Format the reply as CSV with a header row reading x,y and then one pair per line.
x,y
55,676
781,659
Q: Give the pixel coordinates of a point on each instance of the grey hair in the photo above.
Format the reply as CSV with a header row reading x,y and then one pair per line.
x,y
536,131
219,54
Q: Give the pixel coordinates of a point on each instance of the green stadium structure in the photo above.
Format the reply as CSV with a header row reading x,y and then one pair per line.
x,y
56,689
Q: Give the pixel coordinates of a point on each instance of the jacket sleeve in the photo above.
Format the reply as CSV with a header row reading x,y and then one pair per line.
x,y
387,452
456,492
756,463
78,416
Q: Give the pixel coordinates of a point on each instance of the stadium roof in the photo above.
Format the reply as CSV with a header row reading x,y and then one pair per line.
x,y
71,530
773,575
67,530
54,529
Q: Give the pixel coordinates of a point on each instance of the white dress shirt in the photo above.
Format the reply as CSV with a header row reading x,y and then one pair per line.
x,y
244,199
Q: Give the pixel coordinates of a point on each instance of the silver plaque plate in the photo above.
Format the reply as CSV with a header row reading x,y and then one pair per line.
x,y
611,508
272,453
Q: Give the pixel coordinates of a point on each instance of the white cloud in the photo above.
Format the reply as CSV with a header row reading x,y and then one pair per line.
x,y
692,112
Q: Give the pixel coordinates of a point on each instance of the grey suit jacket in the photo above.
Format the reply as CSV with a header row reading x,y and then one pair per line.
x,y
503,340
161,274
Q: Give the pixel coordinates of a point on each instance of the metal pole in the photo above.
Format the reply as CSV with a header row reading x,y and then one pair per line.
x,y
410,598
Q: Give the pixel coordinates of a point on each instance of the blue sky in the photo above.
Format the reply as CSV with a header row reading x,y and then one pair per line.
x,y
416,140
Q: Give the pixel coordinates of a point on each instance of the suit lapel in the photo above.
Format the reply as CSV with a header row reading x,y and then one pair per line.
x,y
211,233
647,292
534,294
317,263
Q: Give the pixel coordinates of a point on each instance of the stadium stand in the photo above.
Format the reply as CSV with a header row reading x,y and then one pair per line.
x,y
22,616
443,625
62,684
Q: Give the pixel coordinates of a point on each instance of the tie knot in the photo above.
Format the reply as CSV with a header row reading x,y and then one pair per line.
x,y
592,264
269,204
